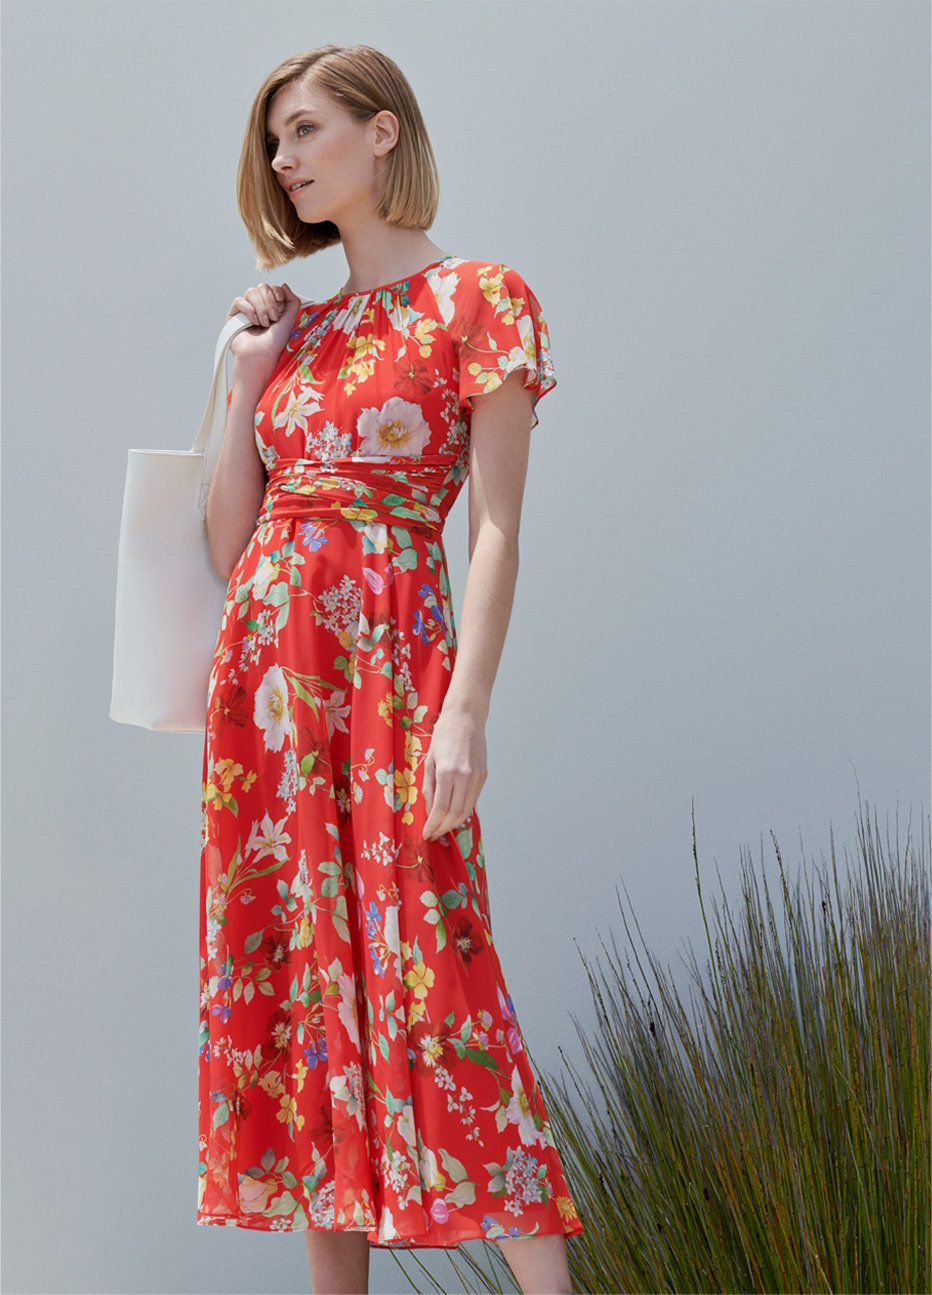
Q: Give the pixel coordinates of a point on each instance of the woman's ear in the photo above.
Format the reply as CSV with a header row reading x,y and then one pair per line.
x,y
386,131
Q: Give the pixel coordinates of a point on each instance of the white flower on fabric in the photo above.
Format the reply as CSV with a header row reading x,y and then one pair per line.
x,y
525,355
271,708
347,1007
444,287
518,1111
348,1090
392,937
397,428
341,604
430,1171
266,572
336,712
377,535
294,413
271,838
406,1128
387,1229
348,317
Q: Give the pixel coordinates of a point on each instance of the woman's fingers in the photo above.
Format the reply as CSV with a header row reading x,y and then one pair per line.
x,y
265,300
263,304
452,805
241,305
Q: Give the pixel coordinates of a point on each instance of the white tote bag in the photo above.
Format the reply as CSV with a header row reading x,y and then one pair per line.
x,y
169,598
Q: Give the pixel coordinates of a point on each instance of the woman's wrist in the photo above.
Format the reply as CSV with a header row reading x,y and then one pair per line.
x,y
248,380
472,704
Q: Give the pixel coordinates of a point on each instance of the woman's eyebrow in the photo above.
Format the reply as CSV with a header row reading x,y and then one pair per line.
x,y
302,112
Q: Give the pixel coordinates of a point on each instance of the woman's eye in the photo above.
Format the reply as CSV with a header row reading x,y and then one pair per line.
x,y
272,148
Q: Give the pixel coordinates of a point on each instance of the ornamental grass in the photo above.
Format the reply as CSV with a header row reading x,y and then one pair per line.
x,y
762,1125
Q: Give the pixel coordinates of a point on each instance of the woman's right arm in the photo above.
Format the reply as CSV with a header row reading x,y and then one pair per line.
x,y
239,478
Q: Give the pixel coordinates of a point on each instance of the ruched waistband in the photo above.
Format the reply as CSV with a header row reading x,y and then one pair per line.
x,y
360,490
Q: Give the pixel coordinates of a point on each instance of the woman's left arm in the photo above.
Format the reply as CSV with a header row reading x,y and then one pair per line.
x,y
455,769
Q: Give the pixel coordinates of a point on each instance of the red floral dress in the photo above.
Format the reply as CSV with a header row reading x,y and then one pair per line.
x,y
361,1064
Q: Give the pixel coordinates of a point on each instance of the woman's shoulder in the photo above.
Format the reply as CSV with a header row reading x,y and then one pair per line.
x,y
486,283
479,272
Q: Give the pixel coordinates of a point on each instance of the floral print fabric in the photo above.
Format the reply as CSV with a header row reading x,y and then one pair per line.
x,y
361,1066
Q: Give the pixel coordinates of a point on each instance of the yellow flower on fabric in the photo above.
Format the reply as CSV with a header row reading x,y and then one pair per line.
x,y
492,379
385,709
360,514
423,334
219,788
248,780
417,1010
566,1209
300,1071
271,1083
419,979
305,932
405,788
512,310
289,1112
491,285
214,795
225,771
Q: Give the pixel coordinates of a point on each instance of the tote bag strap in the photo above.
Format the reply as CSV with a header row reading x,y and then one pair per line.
x,y
210,434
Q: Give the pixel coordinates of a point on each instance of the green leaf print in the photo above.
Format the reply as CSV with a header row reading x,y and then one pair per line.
x,y
284,1204
455,1168
433,917
405,560
464,841
307,697
463,1194
481,1058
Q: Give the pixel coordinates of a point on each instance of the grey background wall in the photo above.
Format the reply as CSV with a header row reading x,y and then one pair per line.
x,y
724,589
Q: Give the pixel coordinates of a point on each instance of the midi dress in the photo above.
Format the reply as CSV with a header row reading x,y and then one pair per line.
x,y
361,1065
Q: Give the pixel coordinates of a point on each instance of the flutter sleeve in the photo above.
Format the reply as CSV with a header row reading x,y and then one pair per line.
x,y
497,327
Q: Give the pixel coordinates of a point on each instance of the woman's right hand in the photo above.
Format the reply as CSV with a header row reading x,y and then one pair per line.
x,y
274,310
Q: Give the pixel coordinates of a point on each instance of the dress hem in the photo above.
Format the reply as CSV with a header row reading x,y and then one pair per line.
x,y
402,1243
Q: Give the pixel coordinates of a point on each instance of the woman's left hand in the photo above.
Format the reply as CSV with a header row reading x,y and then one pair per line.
x,y
455,771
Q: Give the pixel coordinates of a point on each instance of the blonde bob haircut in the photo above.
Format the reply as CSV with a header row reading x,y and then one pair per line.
x,y
363,81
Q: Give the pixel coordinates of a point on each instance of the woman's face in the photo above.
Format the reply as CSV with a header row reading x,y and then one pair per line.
x,y
311,138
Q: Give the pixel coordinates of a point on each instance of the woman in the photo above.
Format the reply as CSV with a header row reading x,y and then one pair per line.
x,y
362,1071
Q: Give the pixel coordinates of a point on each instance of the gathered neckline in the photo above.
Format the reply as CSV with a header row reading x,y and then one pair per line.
x,y
381,287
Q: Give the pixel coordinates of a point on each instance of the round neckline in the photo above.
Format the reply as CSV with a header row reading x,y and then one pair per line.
x,y
381,287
